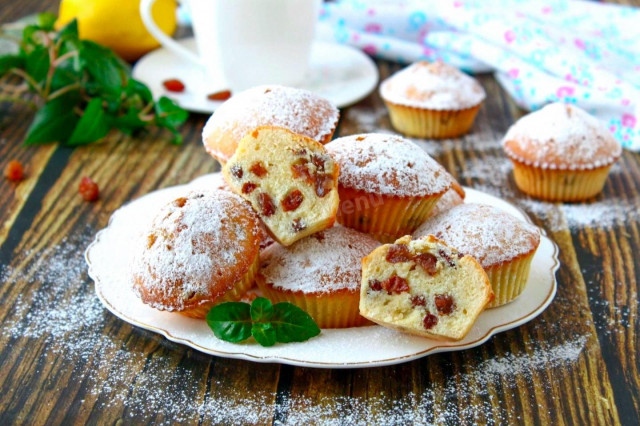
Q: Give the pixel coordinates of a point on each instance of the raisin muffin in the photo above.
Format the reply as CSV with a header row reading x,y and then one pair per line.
x,y
560,153
320,274
503,244
298,110
200,250
388,185
432,100
423,287
289,179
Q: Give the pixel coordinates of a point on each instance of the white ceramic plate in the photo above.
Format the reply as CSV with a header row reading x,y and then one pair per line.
x,y
339,73
109,254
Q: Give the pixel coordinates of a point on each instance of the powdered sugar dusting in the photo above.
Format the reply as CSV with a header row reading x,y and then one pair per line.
x,y
561,136
193,249
298,110
327,261
388,165
433,86
484,232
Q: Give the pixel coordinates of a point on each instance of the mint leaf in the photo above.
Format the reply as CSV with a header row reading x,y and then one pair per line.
x,y
103,66
292,324
69,31
264,333
230,321
92,126
54,122
261,310
10,61
170,115
37,63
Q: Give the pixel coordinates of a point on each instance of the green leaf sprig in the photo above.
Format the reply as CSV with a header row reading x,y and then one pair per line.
x,y
267,323
82,89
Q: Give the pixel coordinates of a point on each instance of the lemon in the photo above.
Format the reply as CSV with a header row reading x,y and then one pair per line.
x,y
117,24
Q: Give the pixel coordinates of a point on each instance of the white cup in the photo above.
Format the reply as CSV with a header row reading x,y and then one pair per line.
x,y
245,43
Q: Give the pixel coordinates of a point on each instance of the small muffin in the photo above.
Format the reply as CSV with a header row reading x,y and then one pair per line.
x,y
200,250
320,274
503,244
423,287
298,110
432,100
388,185
561,153
289,179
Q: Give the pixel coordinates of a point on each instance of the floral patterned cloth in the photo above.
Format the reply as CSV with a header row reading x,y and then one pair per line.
x,y
577,52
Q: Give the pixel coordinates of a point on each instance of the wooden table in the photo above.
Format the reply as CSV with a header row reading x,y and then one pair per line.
x,y
65,359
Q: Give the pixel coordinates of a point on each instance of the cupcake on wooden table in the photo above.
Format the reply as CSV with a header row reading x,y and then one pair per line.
x,y
561,153
298,110
321,274
432,100
200,250
502,244
387,184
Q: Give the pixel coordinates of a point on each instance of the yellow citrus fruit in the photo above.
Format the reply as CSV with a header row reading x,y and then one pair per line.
x,y
117,24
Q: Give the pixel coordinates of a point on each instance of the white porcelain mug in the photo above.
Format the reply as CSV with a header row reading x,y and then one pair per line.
x,y
244,43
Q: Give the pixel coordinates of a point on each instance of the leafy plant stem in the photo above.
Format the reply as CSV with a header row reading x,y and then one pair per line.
x,y
66,89
28,78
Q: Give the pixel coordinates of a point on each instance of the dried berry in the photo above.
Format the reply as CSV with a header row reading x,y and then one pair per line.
x,y
180,202
428,262
88,189
418,301
324,184
301,170
292,200
258,169
222,95
429,321
14,171
248,187
318,161
298,225
398,253
237,171
395,284
267,207
375,285
444,304
173,85
446,257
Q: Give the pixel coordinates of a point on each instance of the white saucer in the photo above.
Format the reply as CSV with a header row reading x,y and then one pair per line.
x,y
109,254
339,73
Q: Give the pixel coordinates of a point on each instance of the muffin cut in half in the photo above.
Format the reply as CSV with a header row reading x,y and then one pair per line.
x,y
423,287
503,244
289,179
200,250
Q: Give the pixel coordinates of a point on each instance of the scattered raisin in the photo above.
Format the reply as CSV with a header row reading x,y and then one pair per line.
x,y
88,189
299,170
375,285
395,284
418,301
222,95
258,169
173,85
298,225
266,204
444,304
248,187
428,262
324,184
398,253
429,321
180,202
460,255
292,200
318,161
446,257
237,171
14,171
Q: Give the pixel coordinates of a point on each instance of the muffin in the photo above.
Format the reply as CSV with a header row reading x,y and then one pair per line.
x,y
200,250
423,287
560,153
503,244
432,100
320,274
289,179
298,110
387,184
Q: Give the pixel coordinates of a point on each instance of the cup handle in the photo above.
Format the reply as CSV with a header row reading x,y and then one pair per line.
x,y
166,41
